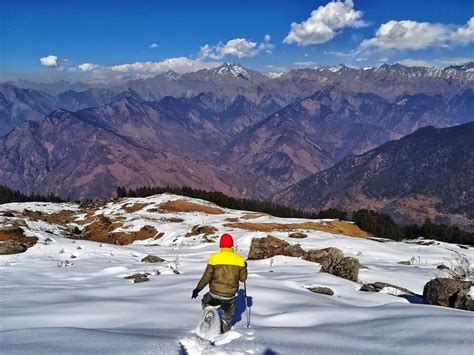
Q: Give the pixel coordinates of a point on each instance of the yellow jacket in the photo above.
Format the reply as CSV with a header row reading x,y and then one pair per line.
x,y
223,272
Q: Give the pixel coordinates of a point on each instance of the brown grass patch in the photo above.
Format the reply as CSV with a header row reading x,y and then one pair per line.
x,y
196,230
61,217
124,238
253,215
186,206
135,207
99,229
336,227
232,219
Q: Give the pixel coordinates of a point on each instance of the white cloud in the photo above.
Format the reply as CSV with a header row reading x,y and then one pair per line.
x,y
324,23
237,47
88,66
439,62
179,65
306,64
49,61
153,45
413,35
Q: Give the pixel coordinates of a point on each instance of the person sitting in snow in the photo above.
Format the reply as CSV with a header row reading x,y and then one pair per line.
x,y
223,272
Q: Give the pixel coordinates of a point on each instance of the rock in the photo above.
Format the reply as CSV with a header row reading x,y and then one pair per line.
x,y
442,267
328,258
297,235
73,229
445,292
348,269
7,214
463,246
14,241
152,259
464,301
197,230
405,262
293,250
322,290
11,247
263,248
159,236
138,277
379,286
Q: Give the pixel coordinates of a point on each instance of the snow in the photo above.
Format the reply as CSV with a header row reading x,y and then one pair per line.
x,y
88,306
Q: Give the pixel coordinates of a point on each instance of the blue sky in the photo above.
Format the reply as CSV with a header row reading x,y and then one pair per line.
x,y
100,40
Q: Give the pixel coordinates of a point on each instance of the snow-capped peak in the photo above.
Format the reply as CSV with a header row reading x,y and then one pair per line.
x,y
235,70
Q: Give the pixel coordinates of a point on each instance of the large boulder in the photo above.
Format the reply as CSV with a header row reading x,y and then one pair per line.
x,y
348,269
333,262
448,293
328,258
263,248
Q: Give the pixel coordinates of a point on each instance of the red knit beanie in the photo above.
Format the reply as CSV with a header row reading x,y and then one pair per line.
x,y
226,241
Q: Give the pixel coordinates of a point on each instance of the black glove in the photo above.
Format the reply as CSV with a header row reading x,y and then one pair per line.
x,y
195,293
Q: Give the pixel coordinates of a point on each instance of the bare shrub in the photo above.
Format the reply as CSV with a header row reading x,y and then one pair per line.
x,y
460,267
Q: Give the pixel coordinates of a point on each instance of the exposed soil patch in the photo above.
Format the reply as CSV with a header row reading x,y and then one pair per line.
x,y
336,227
186,206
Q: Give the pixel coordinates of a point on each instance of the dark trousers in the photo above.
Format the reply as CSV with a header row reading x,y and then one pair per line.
x,y
227,306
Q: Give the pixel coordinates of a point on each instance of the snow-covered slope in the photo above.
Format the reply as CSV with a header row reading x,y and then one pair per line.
x,y
88,307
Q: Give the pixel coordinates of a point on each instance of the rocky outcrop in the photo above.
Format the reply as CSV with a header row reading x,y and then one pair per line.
x,y
448,293
263,248
321,290
332,260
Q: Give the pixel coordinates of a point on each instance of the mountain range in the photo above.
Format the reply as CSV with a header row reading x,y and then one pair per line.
x,y
427,174
232,129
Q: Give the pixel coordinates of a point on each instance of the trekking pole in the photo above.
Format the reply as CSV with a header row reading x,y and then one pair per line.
x,y
247,311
